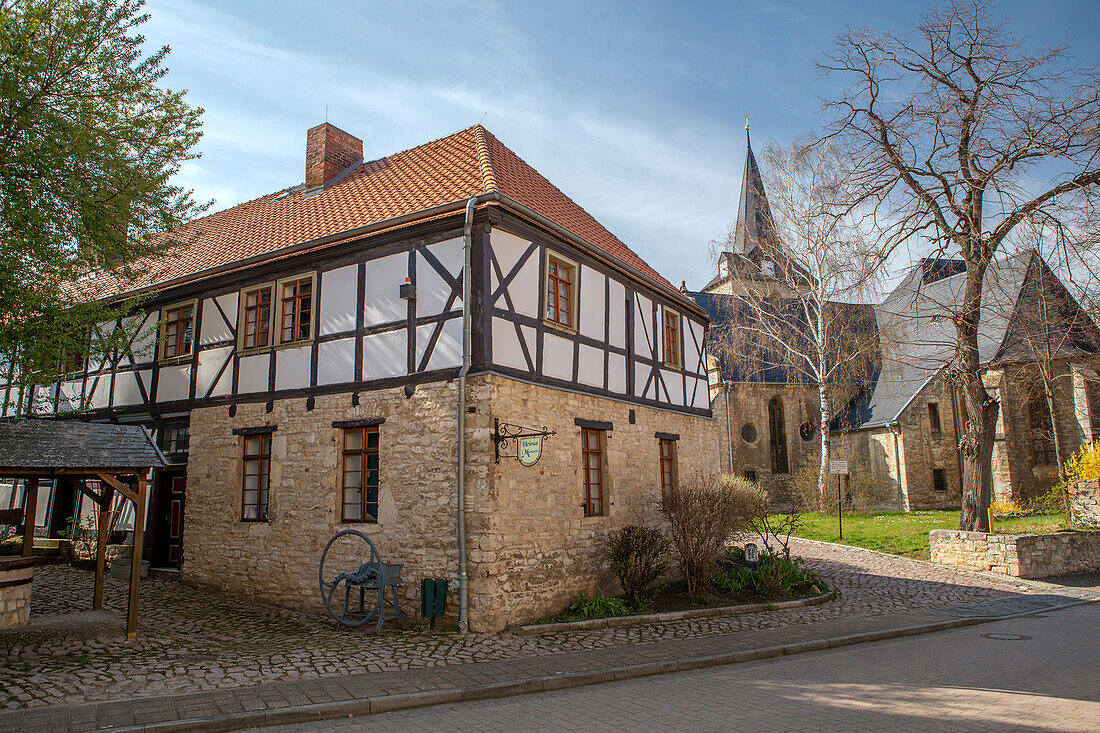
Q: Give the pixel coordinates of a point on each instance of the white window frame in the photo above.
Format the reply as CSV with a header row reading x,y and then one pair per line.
x,y
315,306
275,307
574,292
162,336
679,363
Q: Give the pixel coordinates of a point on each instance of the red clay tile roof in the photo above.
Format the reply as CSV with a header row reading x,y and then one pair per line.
x,y
453,168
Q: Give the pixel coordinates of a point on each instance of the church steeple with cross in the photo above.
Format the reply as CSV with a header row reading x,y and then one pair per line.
x,y
755,225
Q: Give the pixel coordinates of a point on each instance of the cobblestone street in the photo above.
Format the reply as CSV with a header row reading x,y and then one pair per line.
x,y
191,641
1027,674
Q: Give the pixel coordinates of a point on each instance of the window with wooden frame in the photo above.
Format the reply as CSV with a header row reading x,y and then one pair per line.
x,y
256,477
561,290
934,417
671,329
359,469
592,442
255,328
296,309
177,330
74,359
668,464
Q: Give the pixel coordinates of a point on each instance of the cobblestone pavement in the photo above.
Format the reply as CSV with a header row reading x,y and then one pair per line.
x,y
191,640
959,680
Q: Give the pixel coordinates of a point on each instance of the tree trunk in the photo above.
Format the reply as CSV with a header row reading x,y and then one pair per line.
x,y
981,409
823,468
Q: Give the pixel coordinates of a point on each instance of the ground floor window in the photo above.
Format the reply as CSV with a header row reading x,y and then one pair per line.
x,y
592,449
939,480
360,475
668,463
257,477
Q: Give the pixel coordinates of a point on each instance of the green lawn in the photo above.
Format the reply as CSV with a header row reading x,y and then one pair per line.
x,y
906,533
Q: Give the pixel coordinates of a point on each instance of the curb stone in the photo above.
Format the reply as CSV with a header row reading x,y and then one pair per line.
x,y
545,683
667,616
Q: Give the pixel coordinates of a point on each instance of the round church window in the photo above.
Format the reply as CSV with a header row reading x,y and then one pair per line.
x,y
807,431
748,433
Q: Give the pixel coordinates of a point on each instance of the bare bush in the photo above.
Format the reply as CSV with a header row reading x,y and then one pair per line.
x,y
637,555
703,514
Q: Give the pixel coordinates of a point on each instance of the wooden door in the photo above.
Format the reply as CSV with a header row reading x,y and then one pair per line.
x,y
169,503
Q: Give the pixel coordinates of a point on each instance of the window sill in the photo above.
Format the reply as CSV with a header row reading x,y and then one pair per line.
x,y
175,360
670,365
253,350
292,344
254,521
358,521
559,327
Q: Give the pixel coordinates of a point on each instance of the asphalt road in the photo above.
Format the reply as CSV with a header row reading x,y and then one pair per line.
x,y
1035,673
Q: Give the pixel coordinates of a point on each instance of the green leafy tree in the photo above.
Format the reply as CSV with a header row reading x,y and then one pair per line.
x,y
89,142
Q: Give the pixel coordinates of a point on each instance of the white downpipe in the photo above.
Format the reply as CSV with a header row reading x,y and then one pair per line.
x,y
463,579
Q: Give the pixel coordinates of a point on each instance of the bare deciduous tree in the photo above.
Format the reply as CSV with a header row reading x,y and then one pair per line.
x,y
948,126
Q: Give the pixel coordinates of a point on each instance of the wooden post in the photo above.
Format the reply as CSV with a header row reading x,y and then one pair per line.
x,y
102,533
31,504
135,563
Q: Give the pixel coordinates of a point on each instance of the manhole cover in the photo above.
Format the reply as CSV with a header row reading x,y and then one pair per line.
x,y
1005,637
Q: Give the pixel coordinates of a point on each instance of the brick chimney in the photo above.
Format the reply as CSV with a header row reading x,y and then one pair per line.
x,y
329,151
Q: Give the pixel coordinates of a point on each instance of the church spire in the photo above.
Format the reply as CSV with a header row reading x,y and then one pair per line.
x,y
754,218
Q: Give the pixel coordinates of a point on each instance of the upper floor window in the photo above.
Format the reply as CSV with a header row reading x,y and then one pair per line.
x,y
73,360
177,330
256,317
561,278
934,416
592,452
296,309
672,337
360,475
174,439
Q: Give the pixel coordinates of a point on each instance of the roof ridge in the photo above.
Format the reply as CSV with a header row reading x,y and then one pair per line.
x,y
485,160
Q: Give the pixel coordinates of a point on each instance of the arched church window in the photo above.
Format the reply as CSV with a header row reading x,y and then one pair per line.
x,y
778,437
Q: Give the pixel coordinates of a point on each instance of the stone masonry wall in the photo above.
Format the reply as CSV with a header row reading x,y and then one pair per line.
x,y
1084,504
1022,556
532,550
16,577
276,561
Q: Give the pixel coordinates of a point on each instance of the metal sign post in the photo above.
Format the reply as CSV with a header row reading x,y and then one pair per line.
x,y
840,468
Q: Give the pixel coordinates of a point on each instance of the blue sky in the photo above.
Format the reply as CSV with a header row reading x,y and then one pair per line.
x,y
634,109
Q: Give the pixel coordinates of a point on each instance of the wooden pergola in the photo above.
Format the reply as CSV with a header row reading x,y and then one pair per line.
x,y
119,457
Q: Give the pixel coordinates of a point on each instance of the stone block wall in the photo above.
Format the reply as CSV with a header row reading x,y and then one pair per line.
x,y
1022,556
1084,504
532,550
276,561
16,576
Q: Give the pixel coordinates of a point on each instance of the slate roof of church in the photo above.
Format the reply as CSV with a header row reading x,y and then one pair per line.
x,y
914,321
449,170
55,444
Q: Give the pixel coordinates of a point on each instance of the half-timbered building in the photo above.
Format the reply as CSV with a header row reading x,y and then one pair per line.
x,y
301,361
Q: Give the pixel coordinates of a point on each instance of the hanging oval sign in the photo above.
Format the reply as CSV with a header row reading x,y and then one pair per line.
x,y
530,449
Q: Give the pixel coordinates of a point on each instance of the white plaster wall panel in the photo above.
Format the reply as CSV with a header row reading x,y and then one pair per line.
x,y
252,373
384,355
524,290
643,326
292,368
616,314
506,346
448,349
432,291
701,395
557,357
126,389
145,340
174,383
214,326
336,361
210,363
590,365
69,395
338,295
674,385
616,373
691,351
98,362
382,302
591,311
